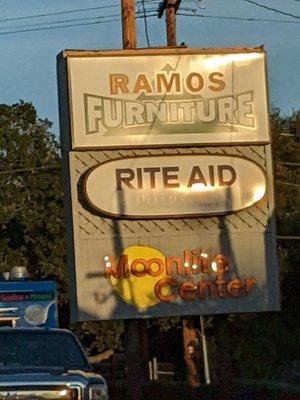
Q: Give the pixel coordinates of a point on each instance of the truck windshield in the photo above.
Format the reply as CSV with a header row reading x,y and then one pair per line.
x,y
40,348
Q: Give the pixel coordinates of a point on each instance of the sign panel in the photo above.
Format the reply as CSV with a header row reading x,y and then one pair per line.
x,y
174,186
132,99
137,268
155,278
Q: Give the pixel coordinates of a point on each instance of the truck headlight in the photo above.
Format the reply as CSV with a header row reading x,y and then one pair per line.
x,y
98,393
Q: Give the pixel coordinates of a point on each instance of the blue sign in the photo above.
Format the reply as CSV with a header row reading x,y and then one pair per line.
x,y
28,304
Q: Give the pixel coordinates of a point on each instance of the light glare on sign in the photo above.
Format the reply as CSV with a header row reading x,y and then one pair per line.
x,y
160,186
155,234
175,99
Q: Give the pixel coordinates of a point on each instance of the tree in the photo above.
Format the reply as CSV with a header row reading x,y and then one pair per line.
x,y
31,214
265,345
286,135
32,226
32,233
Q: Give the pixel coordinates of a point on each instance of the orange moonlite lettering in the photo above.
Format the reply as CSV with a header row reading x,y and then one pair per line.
x,y
173,279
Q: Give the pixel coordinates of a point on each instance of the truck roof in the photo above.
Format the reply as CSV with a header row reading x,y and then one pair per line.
x,y
27,285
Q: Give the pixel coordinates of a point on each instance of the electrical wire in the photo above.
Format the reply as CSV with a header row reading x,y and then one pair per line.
x,y
297,185
145,23
43,167
238,18
288,237
60,22
139,14
58,13
71,25
147,16
271,9
291,164
58,27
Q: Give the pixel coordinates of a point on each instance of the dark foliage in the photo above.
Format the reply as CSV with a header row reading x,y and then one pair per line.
x,y
32,233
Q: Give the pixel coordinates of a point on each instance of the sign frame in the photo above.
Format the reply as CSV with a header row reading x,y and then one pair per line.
x,y
117,234
68,55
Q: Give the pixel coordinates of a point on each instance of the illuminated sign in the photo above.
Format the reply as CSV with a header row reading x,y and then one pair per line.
x,y
143,276
175,186
168,176
158,97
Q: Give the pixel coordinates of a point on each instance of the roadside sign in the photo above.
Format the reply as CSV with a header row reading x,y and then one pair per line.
x,y
168,176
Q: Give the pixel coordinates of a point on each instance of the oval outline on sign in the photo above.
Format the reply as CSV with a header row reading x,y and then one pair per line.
x,y
104,213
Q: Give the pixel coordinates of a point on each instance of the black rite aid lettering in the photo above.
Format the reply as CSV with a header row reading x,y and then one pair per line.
x,y
169,177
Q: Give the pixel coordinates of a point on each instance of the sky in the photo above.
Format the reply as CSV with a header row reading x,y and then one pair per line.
x,y
28,50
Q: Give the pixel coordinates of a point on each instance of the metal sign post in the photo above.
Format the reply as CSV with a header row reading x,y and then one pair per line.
x,y
205,354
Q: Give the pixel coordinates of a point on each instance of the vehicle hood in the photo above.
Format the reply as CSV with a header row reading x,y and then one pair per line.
x,y
80,378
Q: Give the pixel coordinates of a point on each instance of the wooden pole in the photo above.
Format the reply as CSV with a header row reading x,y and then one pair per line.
x,y
128,24
136,345
171,22
171,7
137,373
189,339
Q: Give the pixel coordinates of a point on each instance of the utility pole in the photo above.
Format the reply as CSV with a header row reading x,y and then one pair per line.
x,y
171,7
128,24
136,345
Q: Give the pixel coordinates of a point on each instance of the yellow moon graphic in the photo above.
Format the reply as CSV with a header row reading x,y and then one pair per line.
x,y
139,290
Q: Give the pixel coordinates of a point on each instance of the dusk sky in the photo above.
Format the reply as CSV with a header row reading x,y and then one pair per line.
x,y
29,45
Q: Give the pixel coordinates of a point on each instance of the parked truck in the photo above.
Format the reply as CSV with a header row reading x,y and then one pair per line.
x,y
38,360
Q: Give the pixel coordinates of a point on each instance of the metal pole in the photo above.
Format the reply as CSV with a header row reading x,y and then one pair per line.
x,y
155,368
205,355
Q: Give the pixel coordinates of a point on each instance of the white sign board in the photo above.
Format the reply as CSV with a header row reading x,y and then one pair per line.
x,y
130,100
174,186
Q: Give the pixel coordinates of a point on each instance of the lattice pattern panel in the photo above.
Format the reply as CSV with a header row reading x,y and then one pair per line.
x,y
253,219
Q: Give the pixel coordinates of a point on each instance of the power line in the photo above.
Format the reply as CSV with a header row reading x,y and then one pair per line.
x,y
288,237
289,134
43,167
57,27
144,16
60,22
238,18
145,23
3,20
293,164
272,9
58,13
297,185
69,26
